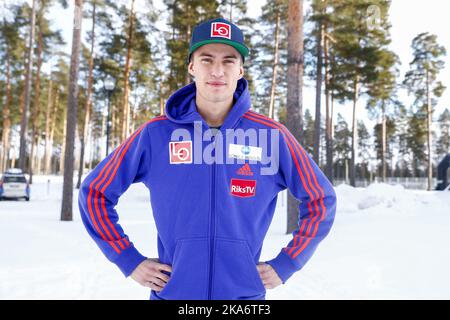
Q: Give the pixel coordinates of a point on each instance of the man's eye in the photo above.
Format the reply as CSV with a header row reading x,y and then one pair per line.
x,y
229,61
206,61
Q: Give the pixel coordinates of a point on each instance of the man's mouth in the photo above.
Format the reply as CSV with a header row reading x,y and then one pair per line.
x,y
216,84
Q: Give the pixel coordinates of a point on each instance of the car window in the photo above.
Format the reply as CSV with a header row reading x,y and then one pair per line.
x,y
14,179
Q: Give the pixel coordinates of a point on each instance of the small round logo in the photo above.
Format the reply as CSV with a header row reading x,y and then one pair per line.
x,y
245,150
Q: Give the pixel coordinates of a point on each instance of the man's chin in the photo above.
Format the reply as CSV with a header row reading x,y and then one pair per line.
x,y
216,96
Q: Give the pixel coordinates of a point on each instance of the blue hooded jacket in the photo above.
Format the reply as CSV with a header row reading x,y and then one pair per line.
x,y
212,215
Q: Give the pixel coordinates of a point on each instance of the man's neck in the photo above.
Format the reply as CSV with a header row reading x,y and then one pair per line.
x,y
213,113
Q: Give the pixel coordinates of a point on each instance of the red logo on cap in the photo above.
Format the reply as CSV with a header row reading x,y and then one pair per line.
x,y
220,29
243,188
180,152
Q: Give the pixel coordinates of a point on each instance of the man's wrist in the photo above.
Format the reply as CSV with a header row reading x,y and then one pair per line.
x,y
128,260
284,266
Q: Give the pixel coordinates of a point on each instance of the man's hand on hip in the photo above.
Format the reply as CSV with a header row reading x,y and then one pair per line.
x,y
268,275
149,274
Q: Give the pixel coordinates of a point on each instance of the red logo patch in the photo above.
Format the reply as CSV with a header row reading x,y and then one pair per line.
x,y
180,152
243,188
220,29
245,170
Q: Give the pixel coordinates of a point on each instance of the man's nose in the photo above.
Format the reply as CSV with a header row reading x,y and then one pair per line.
x,y
217,70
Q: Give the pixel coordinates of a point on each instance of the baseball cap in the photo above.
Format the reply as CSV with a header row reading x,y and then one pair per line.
x,y
218,30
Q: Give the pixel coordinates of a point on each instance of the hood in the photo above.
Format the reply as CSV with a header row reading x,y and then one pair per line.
x,y
181,106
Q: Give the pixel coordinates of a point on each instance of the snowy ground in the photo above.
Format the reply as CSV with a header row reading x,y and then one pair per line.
x,y
386,243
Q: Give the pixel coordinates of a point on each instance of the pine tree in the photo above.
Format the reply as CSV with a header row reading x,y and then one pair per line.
x,y
401,123
130,64
88,104
384,140
416,140
47,39
443,143
185,15
72,103
421,81
383,102
12,49
314,52
342,146
294,104
236,12
308,138
27,88
357,53
271,60
364,148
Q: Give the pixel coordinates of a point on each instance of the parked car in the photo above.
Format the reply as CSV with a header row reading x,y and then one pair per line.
x,y
14,185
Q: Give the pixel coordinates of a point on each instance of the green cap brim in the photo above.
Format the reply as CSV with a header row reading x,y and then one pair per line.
x,y
239,47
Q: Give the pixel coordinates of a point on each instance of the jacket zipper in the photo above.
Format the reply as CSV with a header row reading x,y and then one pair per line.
x,y
212,219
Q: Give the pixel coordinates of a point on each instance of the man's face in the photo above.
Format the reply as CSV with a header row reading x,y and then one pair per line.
x,y
216,68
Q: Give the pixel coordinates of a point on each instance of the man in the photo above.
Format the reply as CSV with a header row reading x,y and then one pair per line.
x,y
214,170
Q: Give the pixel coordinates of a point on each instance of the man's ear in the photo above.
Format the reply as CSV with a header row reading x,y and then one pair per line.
x,y
241,72
191,68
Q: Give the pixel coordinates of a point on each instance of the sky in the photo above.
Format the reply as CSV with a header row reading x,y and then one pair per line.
x,y
408,18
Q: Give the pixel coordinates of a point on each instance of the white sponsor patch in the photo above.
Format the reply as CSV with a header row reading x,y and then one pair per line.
x,y
239,151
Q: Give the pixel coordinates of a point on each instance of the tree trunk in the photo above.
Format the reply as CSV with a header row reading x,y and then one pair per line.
x,y
37,104
37,159
161,101
383,139
27,90
274,69
48,164
318,96
112,123
93,144
331,116
346,171
72,101
6,117
187,77
328,116
63,147
88,103
354,132
363,171
48,116
104,130
294,109
429,146
231,11
132,116
13,160
126,106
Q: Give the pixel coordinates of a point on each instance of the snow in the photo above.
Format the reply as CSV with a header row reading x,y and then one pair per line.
x,y
387,242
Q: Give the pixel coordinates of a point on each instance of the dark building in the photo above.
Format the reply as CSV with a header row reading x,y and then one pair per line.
x,y
443,173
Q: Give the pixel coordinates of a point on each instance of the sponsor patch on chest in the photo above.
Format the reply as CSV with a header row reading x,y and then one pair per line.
x,y
180,152
243,188
239,151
